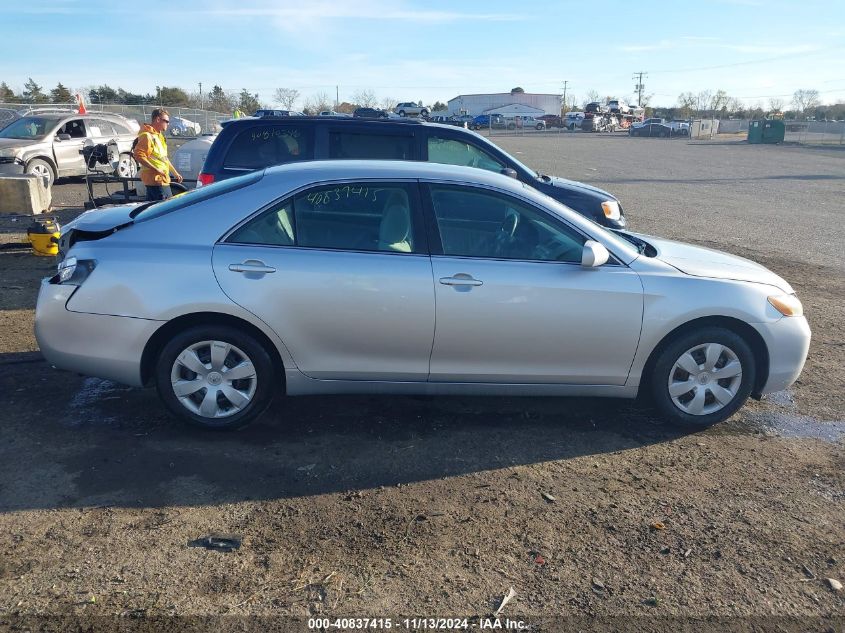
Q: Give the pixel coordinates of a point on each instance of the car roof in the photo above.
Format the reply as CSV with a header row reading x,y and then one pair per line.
x,y
316,119
320,170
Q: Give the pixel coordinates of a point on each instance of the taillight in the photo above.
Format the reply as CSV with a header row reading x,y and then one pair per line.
x,y
205,179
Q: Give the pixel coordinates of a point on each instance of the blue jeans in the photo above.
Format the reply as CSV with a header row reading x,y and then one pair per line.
x,y
161,192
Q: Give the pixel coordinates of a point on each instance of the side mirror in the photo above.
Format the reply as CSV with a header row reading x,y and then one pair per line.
x,y
594,254
63,137
507,171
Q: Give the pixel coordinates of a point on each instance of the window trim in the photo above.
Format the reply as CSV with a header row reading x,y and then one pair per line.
x,y
414,197
436,243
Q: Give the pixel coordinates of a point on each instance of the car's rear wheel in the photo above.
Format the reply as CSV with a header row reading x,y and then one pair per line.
x,y
540,126
401,113
42,169
215,377
424,113
703,376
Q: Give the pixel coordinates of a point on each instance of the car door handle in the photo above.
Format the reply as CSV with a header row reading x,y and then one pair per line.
x,y
251,266
460,280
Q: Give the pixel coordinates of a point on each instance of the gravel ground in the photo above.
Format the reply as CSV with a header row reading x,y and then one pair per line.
x,y
387,506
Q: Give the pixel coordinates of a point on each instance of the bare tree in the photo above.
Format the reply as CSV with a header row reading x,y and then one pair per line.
x,y
806,99
719,101
317,103
286,97
388,103
687,103
591,97
776,105
702,101
365,98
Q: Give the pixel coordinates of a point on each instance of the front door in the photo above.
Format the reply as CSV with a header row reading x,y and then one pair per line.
x,y
342,274
68,159
514,305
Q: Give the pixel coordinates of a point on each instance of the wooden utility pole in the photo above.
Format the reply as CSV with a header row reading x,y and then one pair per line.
x,y
639,87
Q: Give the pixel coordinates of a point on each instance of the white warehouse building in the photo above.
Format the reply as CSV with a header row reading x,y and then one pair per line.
x,y
506,103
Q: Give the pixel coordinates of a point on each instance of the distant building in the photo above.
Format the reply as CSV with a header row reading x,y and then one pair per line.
x,y
507,103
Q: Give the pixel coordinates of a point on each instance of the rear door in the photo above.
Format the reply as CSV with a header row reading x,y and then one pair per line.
x,y
341,272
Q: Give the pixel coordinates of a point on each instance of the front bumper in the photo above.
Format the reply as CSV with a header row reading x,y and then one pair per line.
x,y
788,341
93,344
11,167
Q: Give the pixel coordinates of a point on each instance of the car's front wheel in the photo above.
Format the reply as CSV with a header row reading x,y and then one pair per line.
x,y
42,169
215,377
703,376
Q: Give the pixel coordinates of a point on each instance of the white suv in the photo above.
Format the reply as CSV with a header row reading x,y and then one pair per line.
x,y
410,108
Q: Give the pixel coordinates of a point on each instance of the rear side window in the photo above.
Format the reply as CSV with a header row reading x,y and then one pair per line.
x,y
369,145
260,146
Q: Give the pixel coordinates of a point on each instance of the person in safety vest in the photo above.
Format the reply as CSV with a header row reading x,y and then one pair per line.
x,y
151,153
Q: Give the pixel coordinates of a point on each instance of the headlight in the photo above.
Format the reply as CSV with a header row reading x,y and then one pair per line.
x,y
611,209
787,305
74,271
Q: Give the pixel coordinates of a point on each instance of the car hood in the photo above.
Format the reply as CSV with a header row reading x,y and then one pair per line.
x,y
99,220
698,261
563,183
16,143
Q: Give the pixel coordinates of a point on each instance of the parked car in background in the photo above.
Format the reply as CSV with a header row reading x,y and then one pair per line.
x,y
329,277
573,120
617,107
189,157
252,144
409,108
488,121
652,129
183,127
370,113
271,112
594,108
7,115
48,145
552,120
679,127
531,122
333,113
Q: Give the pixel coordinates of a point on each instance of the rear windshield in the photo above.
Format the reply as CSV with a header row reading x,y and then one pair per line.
x,y
260,146
30,127
149,212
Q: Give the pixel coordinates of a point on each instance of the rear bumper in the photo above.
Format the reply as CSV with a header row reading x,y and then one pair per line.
x,y
788,341
93,344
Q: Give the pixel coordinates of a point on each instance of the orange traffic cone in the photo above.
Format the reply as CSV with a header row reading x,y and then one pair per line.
x,y
81,104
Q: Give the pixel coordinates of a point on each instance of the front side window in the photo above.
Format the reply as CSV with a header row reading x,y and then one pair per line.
x,y
261,146
359,217
455,152
480,223
370,145
74,127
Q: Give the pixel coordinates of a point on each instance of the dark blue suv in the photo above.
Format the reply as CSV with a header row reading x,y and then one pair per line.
x,y
248,144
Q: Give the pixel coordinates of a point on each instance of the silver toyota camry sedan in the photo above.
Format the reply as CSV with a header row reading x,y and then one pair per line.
x,y
406,277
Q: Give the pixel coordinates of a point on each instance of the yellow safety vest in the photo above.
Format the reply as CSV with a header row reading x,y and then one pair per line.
x,y
158,153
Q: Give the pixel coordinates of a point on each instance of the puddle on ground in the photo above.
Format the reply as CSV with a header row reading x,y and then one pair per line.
x,y
782,420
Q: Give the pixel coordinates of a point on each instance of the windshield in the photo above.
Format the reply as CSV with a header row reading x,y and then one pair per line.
x,y
30,127
150,211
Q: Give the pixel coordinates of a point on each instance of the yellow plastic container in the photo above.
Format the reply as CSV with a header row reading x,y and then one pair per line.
x,y
44,236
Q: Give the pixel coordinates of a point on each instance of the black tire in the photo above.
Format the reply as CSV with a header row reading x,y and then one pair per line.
x,y
540,126
401,113
39,166
424,113
511,126
266,380
672,352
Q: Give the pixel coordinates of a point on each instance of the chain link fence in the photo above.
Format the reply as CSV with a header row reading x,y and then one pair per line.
x,y
208,120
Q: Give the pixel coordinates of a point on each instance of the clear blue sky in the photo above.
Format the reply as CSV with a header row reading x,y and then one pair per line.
x,y
432,49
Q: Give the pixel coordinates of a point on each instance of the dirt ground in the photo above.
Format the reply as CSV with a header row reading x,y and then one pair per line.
x,y
435,507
